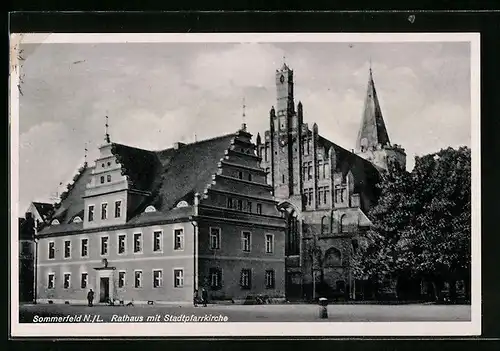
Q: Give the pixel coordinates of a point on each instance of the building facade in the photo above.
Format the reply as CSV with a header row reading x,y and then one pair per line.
x,y
155,226
324,190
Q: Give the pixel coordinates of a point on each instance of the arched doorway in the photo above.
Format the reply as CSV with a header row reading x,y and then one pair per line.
x,y
293,270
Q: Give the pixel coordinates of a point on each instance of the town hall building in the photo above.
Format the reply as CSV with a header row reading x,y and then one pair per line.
x,y
280,217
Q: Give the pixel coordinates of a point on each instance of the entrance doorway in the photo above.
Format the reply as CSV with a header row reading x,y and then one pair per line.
x,y
104,293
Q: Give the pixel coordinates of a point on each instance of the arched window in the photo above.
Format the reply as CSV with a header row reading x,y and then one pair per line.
x,y
55,222
343,223
77,219
324,225
333,257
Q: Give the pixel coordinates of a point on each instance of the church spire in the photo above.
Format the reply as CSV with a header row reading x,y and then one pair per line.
x,y
106,137
372,132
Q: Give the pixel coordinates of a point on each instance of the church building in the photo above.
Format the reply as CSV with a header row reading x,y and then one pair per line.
x,y
324,190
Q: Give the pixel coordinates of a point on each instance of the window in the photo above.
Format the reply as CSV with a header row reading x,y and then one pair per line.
x,y
246,279
157,278
319,170
178,278
138,279
240,175
102,177
215,275
343,224
304,170
157,240
215,238
270,279
229,202
326,170
320,195
249,177
91,213
118,209
283,178
67,249
179,239
104,211
268,175
109,164
309,170
84,249
269,243
326,194
339,194
137,242
50,281
266,152
84,280
104,245
249,207
121,279
309,195
108,178
240,205
121,244
52,250
333,257
245,241
67,280
259,208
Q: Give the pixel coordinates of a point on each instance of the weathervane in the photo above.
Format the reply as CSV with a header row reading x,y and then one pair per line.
x,y
244,106
86,150
107,134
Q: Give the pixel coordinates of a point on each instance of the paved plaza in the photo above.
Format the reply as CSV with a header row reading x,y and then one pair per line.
x,y
256,313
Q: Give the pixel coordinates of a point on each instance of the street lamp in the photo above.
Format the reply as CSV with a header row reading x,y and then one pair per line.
x,y
35,280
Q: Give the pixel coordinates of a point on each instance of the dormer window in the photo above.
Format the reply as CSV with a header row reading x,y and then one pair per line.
x,y
55,222
150,209
77,219
182,204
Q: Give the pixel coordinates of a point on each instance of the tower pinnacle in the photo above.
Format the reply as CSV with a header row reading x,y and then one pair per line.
x,y
372,132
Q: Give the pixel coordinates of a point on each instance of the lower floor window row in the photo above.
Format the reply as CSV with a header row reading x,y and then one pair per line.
x,y
215,278
157,279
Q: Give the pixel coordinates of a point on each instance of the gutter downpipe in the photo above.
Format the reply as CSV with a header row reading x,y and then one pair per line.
x,y
195,241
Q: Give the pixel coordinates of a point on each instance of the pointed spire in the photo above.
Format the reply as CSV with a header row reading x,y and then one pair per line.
x,y
259,140
107,139
372,132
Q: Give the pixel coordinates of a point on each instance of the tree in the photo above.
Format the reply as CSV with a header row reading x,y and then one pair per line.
x,y
421,223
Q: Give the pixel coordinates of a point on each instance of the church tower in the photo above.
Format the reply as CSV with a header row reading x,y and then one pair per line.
x,y
373,142
285,123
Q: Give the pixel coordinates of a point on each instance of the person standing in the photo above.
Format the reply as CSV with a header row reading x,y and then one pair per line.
x,y
90,298
195,298
204,296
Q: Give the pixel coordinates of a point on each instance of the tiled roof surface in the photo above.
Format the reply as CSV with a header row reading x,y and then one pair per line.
x,y
43,208
170,176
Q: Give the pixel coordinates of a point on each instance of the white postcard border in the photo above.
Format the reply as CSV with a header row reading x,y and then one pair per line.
x,y
253,328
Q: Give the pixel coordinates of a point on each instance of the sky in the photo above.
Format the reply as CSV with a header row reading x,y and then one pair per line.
x,y
156,94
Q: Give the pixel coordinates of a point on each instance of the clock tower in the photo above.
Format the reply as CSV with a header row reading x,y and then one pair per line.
x,y
285,138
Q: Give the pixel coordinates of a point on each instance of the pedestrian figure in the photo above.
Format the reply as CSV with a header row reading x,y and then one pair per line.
x,y
204,296
195,298
90,298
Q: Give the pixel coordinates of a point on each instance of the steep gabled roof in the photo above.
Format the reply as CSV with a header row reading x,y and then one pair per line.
x,y
188,170
137,164
372,131
43,208
73,204
170,175
365,174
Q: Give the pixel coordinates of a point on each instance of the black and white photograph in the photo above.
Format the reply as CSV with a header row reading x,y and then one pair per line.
x,y
245,184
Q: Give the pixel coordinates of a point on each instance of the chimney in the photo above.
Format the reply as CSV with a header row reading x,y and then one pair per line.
x,y
178,145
